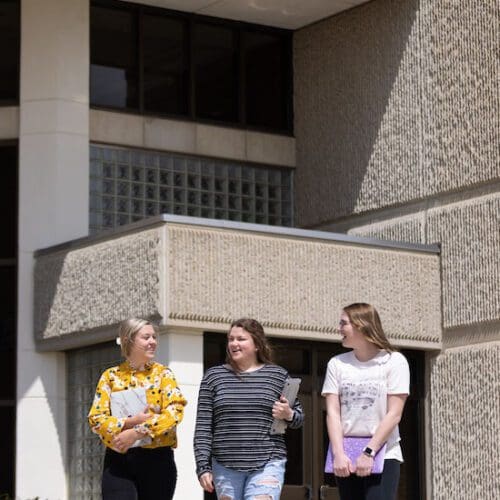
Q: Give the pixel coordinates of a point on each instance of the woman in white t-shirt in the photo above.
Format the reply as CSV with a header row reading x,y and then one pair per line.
x,y
365,391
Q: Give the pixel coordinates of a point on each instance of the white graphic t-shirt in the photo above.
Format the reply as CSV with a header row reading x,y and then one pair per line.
x,y
363,387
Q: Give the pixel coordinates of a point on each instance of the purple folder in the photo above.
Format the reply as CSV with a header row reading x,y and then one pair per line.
x,y
353,447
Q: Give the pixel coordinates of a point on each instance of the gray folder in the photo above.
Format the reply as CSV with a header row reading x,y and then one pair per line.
x,y
290,392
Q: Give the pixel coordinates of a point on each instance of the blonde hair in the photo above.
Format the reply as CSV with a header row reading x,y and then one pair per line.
x,y
127,331
366,319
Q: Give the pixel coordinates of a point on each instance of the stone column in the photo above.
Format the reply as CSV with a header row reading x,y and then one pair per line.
x,y
183,352
53,207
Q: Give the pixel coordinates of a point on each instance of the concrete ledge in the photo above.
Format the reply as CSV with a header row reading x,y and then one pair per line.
x,y
201,274
162,134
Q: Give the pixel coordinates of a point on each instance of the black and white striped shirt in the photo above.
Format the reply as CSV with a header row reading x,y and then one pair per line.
x,y
234,418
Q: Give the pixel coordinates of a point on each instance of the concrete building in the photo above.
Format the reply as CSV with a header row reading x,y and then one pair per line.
x,y
308,155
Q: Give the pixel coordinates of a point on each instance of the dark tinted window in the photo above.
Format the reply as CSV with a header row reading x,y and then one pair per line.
x,y
171,63
165,65
114,66
7,456
216,72
266,79
9,43
8,202
8,332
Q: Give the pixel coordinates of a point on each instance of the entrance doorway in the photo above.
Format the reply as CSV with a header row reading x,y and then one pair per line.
x,y
304,477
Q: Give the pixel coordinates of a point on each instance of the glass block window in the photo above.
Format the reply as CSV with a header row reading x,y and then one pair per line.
x,y
129,185
85,450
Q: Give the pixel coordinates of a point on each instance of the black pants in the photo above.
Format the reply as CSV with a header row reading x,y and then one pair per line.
x,y
374,487
139,474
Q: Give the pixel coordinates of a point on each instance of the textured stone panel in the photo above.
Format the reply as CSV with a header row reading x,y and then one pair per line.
x,y
298,286
97,285
409,229
469,233
395,102
465,409
358,111
461,95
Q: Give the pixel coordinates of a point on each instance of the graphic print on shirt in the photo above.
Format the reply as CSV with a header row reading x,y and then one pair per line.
x,y
359,396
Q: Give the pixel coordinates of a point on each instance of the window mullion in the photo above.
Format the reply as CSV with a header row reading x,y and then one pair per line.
x,y
241,77
191,70
140,57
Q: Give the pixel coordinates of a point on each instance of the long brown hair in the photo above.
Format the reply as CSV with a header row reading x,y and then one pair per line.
x,y
366,319
256,330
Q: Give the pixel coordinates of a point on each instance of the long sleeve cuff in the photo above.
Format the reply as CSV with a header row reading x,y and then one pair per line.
x,y
296,421
201,469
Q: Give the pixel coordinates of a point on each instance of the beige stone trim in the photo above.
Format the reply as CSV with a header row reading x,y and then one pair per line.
x,y
179,136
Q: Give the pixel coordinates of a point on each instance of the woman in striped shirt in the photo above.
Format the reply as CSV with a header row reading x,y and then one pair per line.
x,y
236,454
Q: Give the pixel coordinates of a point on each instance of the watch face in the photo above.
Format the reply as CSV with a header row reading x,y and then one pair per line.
x,y
369,451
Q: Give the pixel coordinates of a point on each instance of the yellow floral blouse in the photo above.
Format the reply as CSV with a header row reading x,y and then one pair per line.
x,y
163,396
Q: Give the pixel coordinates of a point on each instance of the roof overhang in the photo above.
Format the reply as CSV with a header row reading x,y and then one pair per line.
x,y
288,14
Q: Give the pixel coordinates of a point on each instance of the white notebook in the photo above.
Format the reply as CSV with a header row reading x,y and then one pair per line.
x,y
128,403
290,392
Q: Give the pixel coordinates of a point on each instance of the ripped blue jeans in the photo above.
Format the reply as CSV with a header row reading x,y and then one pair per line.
x,y
262,484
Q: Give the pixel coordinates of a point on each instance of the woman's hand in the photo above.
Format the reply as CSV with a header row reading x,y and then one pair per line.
x,y
282,410
123,441
141,417
137,419
364,465
342,466
207,482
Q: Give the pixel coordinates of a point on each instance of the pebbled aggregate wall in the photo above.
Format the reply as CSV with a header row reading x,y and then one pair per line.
x,y
203,278
397,107
297,286
465,408
469,234
395,101
97,285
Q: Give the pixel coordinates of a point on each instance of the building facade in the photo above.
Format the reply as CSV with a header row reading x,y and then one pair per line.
x,y
305,157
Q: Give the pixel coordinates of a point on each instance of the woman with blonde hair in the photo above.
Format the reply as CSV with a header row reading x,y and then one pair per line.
x,y
365,389
139,462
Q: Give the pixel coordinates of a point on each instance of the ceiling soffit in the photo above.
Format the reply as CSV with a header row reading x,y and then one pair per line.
x,y
288,14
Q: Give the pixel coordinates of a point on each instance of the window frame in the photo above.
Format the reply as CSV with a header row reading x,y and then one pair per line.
x,y
239,27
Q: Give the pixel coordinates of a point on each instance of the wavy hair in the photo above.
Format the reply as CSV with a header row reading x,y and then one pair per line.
x,y
366,319
256,330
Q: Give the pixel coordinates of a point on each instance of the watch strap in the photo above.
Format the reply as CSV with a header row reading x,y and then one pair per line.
x,y
369,452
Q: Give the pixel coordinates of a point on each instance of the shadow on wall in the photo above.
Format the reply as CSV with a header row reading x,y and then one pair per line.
x,y
357,112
